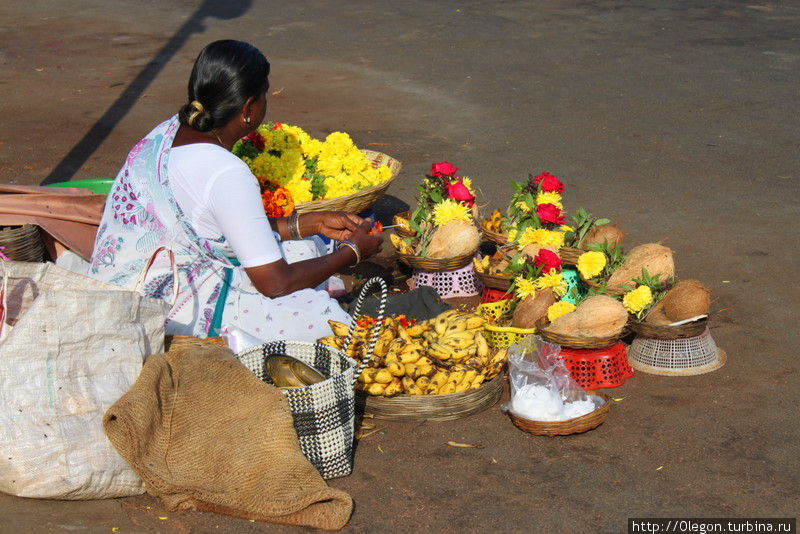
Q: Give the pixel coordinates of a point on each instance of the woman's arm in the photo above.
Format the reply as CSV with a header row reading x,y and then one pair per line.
x,y
279,278
333,224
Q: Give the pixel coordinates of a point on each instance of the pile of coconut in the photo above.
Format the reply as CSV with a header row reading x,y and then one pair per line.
x,y
604,316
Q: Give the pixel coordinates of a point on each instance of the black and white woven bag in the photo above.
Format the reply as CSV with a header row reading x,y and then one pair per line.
x,y
323,413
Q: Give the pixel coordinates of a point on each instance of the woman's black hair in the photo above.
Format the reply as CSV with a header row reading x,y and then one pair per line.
x,y
224,76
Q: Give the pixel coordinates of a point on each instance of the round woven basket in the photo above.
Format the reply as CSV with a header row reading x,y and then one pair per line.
x,y
22,243
495,237
574,341
495,281
570,255
609,291
405,407
431,264
649,330
564,428
360,200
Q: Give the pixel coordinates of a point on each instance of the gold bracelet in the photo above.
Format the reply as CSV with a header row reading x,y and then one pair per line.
x,y
293,225
354,247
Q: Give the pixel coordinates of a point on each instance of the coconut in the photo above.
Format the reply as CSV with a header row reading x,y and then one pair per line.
x,y
530,309
598,316
689,298
656,316
455,238
657,259
600,234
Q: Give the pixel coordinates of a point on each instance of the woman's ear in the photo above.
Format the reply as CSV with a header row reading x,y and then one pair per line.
x,y
247,109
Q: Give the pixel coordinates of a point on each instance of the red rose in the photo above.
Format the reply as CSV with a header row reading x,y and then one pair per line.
x,y
255,138
549,213
443,169
549,183
547,260
458,191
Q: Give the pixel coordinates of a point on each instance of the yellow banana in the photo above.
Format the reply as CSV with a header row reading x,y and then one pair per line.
x,y
393,388
469,376
499,356
424,370
437,350
402,333
481,346
448,314
396,240
474,321
456,325
424,362
423,383
387,335
409,357
411,370
375,389
397,345
331,341
396,368
456,377
440,377
339,329
449,387
368,376
440,325
459,340
416,330
410,387
476,383
383,376
463,386
381,348
494,370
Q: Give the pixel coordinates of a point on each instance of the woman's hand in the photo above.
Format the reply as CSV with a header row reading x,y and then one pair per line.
x,y
336,225
368,245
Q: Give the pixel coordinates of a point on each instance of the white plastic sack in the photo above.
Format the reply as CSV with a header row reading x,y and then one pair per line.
x,y
542,388
71,346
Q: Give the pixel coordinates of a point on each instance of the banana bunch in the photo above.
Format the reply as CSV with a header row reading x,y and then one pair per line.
x,y
494,223
446,354
497,264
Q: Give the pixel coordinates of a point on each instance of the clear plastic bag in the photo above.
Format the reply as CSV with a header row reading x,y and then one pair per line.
x,y
542,388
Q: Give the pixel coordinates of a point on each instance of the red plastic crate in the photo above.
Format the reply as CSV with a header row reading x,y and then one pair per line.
x,y
598,368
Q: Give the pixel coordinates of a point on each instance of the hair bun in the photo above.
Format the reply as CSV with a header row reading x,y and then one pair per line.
x,y
195,115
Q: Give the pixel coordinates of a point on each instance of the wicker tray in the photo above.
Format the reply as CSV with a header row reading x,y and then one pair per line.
x,y
570,255
431,264
432,407
577,425
644,329
573,341
495,237
360,200
22,243
495,281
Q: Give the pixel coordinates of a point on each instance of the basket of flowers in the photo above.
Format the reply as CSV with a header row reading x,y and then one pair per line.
x,y
314,175
440,234
667,310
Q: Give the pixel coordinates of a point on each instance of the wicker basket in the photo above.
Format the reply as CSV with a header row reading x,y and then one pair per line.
x,y
574,341
649,330
495,281
22,243
432,407
570,255
495,237
431,264
360,200
564,428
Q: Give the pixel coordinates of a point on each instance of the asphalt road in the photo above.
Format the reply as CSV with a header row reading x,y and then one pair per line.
x,y
679,120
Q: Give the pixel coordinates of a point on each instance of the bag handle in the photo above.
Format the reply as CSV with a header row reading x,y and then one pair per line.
x,y
139,286
376,329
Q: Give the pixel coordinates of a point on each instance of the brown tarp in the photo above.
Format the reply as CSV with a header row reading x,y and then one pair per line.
x,y
68,216
204,433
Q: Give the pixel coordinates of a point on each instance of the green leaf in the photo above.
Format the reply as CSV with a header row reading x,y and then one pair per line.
x,y
601,222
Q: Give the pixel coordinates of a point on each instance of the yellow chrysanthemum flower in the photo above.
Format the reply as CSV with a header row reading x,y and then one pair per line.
x,y
565,228
524,287
468,183
591,263
637,299
556,310
541,237
512,234
523,206
554,280
549,198
449,210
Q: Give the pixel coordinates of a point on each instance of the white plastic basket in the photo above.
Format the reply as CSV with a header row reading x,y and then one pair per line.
x,y
456,283
676,357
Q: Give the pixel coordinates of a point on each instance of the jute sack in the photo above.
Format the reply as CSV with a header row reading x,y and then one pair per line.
x,y
71,346
204,433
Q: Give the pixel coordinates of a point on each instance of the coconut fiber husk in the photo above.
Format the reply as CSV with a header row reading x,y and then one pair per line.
x,y
204,433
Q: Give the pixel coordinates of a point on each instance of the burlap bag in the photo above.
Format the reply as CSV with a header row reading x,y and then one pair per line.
x,y
204,433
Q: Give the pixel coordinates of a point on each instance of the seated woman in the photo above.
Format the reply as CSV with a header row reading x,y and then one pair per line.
x,y
181,188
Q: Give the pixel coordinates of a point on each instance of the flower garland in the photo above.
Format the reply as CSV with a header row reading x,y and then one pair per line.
x,y
307,168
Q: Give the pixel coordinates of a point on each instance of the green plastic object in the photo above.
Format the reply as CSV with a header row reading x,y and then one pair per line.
x,y
575,288
100,185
